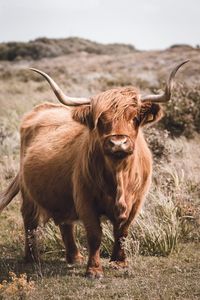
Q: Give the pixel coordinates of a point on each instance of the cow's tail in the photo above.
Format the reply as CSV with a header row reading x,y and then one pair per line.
x,y
11,191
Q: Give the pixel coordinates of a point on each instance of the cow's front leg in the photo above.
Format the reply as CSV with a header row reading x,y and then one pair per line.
x,y
118,257
94,234
120,233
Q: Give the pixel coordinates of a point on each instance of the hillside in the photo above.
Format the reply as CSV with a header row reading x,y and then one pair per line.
x,y
44,47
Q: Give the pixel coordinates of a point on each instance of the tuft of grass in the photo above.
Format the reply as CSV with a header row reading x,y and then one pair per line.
x,y
158,232
107,240
50,239
17,287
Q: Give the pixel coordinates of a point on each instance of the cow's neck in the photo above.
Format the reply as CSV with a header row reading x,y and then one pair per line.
x,y
123,176
109,173
119,181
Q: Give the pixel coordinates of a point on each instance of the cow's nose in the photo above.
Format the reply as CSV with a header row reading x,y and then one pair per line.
x,y
118,146
118,141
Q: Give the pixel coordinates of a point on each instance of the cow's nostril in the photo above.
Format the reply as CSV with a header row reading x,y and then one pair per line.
x,y
118,141
125,141
111,142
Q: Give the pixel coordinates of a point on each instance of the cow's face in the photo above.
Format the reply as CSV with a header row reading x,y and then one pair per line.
x,y
117,134
116,117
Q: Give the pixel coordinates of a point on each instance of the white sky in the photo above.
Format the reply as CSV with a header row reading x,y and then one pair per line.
x,y
147,24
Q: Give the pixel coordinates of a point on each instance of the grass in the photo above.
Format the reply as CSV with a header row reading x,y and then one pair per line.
x,y
175,277
163,245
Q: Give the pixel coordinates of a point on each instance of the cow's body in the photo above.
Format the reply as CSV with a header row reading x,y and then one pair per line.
x,y
55,162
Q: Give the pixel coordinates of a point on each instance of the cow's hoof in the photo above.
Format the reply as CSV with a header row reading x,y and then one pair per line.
x,y
79,259
76,260
94,273
119,264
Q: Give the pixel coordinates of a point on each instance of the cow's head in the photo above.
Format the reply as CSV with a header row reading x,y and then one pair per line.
x,y
116,115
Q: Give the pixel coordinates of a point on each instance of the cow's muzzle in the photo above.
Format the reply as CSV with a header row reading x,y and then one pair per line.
x,y
118,146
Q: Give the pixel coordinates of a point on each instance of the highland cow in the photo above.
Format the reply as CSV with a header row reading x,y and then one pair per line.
x,y
83,159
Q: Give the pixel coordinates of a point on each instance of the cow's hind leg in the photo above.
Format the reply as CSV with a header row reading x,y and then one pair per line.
x,y
30,218
72,253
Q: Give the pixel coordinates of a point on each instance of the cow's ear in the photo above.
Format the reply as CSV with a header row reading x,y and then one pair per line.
x,y
150,113
83,115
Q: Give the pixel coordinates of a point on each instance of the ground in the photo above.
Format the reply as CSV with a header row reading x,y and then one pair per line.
x,y
174,277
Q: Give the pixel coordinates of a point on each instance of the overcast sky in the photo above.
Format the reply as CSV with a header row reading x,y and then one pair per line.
x,y
147,24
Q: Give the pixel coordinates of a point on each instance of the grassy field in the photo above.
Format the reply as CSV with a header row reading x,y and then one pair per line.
x,y
163,246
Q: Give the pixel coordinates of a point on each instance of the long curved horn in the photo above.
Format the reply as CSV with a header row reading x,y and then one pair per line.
x,y
165,96
66,100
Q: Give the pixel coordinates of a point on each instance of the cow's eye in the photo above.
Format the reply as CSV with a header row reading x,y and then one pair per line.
x,y
136,122
104,127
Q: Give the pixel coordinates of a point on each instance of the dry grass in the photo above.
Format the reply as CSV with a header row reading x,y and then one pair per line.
x,y
163,245
16,287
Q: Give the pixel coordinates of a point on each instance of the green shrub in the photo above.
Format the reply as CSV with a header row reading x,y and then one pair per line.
x,y
182,114
158,141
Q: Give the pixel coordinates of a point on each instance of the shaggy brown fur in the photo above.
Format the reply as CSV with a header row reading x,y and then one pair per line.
x,y
66,174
